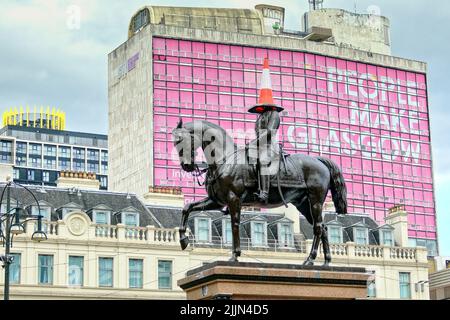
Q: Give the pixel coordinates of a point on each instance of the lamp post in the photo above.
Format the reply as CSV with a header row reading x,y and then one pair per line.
x,y
10,226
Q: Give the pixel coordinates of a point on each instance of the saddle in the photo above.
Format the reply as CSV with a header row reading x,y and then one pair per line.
x,y
284,171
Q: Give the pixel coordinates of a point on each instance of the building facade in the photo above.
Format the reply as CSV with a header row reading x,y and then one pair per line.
x,y
351,102
440,279
106,245
35,151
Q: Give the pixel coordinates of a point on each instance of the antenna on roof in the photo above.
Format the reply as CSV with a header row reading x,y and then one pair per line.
x,y
315,4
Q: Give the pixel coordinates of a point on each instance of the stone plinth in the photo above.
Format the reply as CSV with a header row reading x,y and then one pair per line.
x,y
258,281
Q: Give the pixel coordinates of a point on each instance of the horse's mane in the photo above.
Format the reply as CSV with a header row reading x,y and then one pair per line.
x,y
208,125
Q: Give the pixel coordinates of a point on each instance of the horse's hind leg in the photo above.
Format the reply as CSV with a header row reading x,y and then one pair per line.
x,y
316,212
326,246
234,205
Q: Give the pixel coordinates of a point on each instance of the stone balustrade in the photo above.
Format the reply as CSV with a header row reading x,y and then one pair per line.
x,y
166,236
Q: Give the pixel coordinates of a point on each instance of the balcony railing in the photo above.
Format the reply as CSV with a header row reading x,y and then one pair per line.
x,y
120,233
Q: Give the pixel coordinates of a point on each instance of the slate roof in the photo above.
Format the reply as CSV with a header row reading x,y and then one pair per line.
x,y
347,222
86,199
171,218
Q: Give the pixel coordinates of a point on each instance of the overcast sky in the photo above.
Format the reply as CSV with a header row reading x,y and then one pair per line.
x,y
46,58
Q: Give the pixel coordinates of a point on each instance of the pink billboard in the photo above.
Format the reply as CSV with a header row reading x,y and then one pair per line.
x,y
371,120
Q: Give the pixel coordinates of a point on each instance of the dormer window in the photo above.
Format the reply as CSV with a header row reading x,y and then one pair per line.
x,y
101,217
361,236
45,212
335,234
387,238
285,235
70,207
259,233
130,219
203,229
227,231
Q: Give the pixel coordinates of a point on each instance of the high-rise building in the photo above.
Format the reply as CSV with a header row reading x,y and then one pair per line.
x,y
345,98
35,148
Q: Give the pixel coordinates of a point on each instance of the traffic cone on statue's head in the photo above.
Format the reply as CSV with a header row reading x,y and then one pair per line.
x,y
265,101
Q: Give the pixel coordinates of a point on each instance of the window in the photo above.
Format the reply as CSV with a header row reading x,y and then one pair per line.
x,y
387,238
46,176
140,20
50,164
21,161
164,274
64,152
105,272
227,231
45,272
35,162
6,146
285,235
202,229
16,174
130,219
93,167
78,166
104,168
258,234
335,234
104,156
66,211
21,147
14,268
135,272
104,182
405,285
30,175
76,265
45,212
78,153
432,248
101,217
50,151
93,155
64,164
35,149
371,289
361,236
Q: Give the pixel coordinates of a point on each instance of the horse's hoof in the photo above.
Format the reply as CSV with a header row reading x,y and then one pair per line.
x,y
326,264
184,242
308,263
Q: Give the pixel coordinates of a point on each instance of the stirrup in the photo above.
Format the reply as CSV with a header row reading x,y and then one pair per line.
x,y
263,196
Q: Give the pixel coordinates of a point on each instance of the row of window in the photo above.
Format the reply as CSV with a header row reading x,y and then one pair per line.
x,y
63,164
76,271
258,232
38,176
61,151
24,134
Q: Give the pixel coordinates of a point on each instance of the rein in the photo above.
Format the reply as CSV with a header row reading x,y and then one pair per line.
x,y
197,173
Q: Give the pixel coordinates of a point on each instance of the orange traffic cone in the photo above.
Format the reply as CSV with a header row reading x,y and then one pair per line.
x,y
265,101
265,93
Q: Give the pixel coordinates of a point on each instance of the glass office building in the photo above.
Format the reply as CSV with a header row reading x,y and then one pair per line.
x,y
39,154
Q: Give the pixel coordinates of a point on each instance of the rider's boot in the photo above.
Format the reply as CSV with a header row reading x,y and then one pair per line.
x,y
263,194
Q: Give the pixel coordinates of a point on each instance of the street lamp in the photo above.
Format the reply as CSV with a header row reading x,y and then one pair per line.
x,y
10,226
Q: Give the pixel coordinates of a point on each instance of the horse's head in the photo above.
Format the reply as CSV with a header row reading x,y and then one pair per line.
x,y
186,142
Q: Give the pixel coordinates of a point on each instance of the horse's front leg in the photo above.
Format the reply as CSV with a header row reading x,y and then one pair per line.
x,y
205,204
234,206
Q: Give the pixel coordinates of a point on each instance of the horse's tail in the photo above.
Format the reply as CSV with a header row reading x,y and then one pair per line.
x,y
337,184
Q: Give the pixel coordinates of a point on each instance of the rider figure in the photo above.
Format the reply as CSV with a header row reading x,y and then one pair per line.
x,y
267,125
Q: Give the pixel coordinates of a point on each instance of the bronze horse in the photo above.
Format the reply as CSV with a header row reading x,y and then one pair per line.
x,y
227,183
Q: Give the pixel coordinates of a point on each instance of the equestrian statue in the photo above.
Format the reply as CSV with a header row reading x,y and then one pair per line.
x,y
259,175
